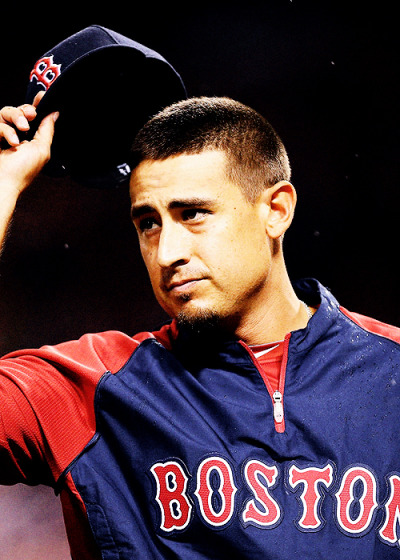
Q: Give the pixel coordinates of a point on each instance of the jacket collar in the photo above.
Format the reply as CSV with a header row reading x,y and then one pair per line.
x,y
316,295
308,290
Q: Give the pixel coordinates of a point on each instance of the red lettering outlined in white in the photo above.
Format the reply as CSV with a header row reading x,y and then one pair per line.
x,y
226,491
45,72
346,500
175,507
311,478
389,530
260,477
355,509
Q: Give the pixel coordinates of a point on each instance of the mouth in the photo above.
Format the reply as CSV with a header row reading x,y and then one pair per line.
x,y
182,286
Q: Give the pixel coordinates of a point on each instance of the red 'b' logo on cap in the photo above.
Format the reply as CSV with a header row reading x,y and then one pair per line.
x,y
45,71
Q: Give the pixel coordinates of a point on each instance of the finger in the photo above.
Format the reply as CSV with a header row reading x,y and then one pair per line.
x,y
14,116
37,98
29,111
45,131
8,133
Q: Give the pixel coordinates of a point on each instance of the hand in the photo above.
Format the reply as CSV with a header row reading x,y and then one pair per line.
x,y
21,161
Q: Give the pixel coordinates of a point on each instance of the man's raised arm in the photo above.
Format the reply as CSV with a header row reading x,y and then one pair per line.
x,y
20,160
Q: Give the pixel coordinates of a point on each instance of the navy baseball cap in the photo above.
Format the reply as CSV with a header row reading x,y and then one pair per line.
x,y
105,86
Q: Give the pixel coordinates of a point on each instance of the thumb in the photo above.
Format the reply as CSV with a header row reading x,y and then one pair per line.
x,y
45,132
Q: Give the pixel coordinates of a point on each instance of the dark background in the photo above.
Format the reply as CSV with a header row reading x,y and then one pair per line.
x,y
324,74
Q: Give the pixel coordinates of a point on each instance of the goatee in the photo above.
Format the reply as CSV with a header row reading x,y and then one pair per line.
x,y
204,323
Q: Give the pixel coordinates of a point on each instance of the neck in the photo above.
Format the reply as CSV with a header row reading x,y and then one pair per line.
x,y
275,312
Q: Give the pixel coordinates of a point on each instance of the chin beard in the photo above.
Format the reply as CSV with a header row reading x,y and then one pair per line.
x,y
207,324
205,321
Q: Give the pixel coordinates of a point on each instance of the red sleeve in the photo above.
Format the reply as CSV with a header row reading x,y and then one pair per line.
x,y
374,326
47,396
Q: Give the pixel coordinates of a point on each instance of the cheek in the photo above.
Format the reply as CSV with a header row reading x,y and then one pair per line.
x,y
149,262
253,259
249,243
236,256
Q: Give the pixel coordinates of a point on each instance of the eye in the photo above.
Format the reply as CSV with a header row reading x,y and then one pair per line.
x,y
193,214
147,224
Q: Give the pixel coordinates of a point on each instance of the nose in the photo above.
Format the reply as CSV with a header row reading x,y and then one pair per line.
x,y
174,246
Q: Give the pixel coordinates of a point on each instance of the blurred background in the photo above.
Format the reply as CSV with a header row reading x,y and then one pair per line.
x,y
324,74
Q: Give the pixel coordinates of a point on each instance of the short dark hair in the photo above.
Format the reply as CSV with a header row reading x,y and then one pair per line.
x,y
256,156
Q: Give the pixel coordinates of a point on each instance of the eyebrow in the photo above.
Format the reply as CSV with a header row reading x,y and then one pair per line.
x,y
195,202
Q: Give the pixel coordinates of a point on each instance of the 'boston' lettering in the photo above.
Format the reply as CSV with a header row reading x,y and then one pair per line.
x,y
356,500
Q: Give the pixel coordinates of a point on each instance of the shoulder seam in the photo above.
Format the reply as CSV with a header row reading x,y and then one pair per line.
x,y
357,320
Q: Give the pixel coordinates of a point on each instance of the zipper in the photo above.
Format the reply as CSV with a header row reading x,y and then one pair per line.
x,y
277,396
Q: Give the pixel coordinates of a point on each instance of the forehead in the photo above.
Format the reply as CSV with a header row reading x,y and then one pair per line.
x,y
181,175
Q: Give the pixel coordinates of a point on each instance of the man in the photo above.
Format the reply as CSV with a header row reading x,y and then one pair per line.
x,y
262,422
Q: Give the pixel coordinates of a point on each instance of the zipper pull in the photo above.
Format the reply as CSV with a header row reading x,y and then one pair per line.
x,y
278,406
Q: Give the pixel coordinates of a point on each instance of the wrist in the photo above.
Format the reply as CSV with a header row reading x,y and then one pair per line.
x,y
9,194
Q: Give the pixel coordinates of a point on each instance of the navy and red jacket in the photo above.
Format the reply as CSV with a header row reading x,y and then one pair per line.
x,y
164,449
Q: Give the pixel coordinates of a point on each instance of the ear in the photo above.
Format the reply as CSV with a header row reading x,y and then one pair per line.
x,y
281,201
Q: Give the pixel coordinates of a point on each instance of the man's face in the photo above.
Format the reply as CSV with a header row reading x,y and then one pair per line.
x,y
204,245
